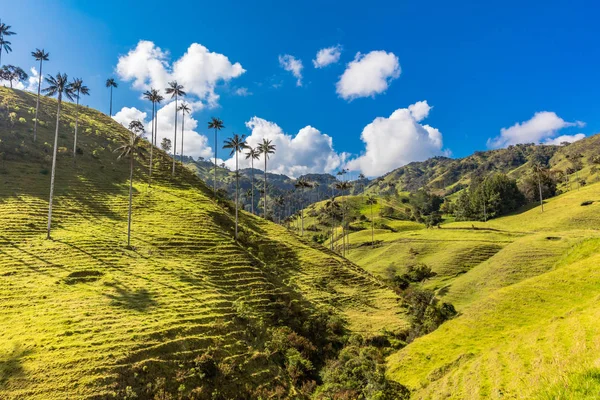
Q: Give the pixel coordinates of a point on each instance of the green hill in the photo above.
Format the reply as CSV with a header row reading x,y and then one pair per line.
x,y
526,287
188,310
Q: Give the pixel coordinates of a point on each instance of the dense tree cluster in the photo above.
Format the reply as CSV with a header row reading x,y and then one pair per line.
x,y
495,195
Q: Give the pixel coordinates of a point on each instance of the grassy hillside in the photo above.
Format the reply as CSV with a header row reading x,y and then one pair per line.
x,y
187,309
526,286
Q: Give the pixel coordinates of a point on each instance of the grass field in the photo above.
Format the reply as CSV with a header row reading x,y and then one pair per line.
x,y
82,315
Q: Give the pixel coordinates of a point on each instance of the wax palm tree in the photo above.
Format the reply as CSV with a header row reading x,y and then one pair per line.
x,y
332,206
131,147
265,148
343,187
78,89
370,201
302,184
280,203
41,56
217,125
175,90
185,109
151,95
237,144
111,83
539,171
59,86
5,44
252,154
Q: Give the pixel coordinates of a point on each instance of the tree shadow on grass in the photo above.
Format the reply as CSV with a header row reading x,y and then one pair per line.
x,y
11,364
132,299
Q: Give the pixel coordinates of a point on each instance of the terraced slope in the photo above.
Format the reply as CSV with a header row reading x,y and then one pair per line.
x,y
85,317
527,327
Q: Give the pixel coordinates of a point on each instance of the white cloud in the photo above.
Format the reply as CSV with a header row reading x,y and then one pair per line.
x,y
328,55
565,138
368,75
198,70
542,126
195,144
308,151
128,114
293,65
242,91
397,140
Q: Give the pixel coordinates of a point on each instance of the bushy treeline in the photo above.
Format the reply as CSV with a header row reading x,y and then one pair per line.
x,y
490,197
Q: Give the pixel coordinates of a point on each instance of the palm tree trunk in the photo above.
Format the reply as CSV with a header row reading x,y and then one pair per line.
x,y
130,196
302,213
540,189
237,188
37,104
53,166
265,205
182,129
76,126
151,147
252,166
175,139
372,228
215,180
111,88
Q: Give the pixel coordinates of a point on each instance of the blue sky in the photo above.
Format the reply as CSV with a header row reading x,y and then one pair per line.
x,y
480,67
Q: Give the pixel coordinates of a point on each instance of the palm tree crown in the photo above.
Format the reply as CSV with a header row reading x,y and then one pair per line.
x,y
266,148
5,44
58,85
79,88
175,89
110,82
40,55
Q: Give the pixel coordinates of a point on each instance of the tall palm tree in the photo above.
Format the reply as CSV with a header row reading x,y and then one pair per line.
x,y
58,85
370,201
280,203
41,56
302,184
132,146
539,171
5,44
265,148
175,90
78,89
343,187
151,95
185,109
237,144
217,125
111,83
252,154
332,205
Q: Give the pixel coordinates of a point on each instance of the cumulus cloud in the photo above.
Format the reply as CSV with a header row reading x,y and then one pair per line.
x,y
328,55
306,152
128,114
397,140
565,138
368,75
195,144
542,126
293,65
198,70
